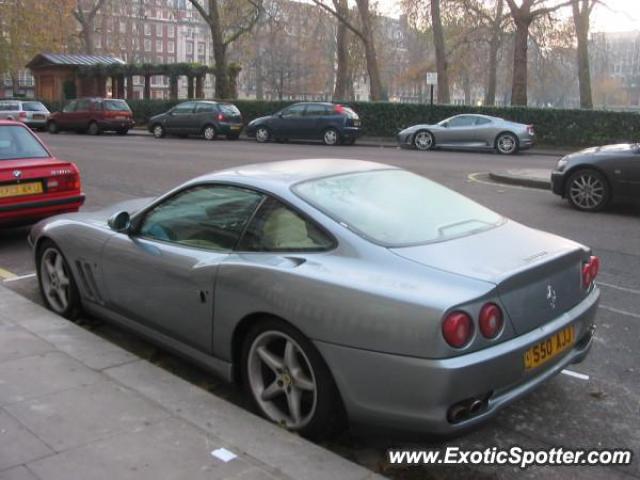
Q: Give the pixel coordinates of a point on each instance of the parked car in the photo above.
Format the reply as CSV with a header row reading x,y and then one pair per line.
x,y
205,118
333,124
33,183
477,132
93,116
591,178
30,112
334,285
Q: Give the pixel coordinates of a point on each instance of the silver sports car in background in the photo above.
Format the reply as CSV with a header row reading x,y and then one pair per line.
x,y
333,290
470,131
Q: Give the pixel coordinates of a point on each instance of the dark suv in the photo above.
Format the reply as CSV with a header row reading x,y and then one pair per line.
x,y
205,118
333,124
93,115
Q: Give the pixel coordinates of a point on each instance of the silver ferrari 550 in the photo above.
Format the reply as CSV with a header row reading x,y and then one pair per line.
x,y
478,132
333,290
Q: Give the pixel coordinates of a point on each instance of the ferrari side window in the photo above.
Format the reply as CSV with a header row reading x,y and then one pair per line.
x,y
209,216
278,228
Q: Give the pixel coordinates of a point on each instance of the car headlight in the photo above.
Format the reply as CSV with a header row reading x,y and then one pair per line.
x,y
562,163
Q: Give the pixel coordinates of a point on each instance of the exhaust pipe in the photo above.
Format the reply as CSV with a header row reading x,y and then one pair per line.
x,y
475,407
457,413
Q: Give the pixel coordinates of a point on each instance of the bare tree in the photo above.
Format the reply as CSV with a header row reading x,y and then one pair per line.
x,y
86,19
227,21
344,79
581,18
523,16
365,34
441,54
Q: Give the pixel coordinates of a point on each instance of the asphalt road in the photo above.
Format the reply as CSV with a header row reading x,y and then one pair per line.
x,y
599,408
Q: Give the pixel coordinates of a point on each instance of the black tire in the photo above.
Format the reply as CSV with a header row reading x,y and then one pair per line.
x,y
233,136
423,140
158,131
93,128
328,417
263,134
122,131
52,128
209,132
588,190
74,307
507,144
331,137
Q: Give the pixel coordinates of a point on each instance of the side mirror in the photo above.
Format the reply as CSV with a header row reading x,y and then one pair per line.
x,y
280,114
445,124
120,222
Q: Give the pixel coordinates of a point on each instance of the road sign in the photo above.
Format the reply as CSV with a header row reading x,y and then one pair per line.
x,y
432,78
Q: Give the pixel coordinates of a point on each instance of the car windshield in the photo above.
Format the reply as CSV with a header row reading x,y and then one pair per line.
x,y
17,142
116,106
229,109
34,107
9,106
396,208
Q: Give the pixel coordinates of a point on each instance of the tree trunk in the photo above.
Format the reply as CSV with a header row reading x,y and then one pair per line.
x,y
581,21
441,55
190,87
520,58
494,47
376,92
466,86
343,70
147,87
200,86
87,38
173,87
129,87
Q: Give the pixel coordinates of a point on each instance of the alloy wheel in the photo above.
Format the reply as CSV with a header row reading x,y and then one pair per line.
x,y
282,380
262,135
55,278
587,191
209,133
158,131
507,144
423,141
330,137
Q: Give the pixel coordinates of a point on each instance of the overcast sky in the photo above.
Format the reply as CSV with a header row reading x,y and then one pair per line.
x,y
619,16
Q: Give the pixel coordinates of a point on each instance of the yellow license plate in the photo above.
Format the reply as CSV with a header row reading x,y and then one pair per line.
x,y
549,348
20,189
236,127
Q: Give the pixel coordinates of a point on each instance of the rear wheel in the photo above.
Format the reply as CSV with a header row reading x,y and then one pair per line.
x,y
288,381
423,140
209,132
588,190
263,135
331,137
56,282
93,129
507,144
52,127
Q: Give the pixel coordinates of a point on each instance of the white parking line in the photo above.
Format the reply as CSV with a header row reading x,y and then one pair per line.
x,y
617,287
19,277
571,373
620,312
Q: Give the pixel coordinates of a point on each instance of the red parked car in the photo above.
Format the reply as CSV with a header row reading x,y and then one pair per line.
x,y
33,183
93,116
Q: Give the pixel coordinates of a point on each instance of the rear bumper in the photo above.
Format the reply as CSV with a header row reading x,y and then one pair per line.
x,y
230,128
351,132
23,213
116,124
409,393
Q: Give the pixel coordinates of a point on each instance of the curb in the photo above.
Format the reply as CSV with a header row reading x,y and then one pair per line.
x,y
520,180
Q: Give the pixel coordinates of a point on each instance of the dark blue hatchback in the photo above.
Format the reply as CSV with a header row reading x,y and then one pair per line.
x,y
332,124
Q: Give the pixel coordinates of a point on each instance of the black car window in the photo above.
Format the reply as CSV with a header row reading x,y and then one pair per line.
x,y
34,107
462,121
315,110
278,228
186,107
70,107
206,108
482,121
293,111
209,216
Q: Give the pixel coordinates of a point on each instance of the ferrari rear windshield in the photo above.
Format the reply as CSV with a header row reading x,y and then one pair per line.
x,y
396,208
17,142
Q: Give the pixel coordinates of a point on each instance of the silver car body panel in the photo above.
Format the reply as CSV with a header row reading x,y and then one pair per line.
x,y
469,137
360,303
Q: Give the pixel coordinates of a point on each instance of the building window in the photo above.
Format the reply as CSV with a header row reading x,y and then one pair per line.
x,y
171,31
147,29
201,48
159,45
147,45
123,27
189,48
171,47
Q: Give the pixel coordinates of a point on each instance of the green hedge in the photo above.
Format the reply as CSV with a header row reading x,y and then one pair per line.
x,y
382,119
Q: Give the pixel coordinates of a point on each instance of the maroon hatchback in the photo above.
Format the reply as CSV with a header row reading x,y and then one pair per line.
x,y
93,116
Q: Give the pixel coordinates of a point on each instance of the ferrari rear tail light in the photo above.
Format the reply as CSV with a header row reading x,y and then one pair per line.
x,y
590,271
530,130
457,328
491,320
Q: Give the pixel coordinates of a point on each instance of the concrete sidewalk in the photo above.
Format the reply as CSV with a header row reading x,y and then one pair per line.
x,y
74,406
524,177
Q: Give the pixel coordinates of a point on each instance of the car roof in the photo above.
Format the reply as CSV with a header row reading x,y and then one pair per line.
x,y
289,172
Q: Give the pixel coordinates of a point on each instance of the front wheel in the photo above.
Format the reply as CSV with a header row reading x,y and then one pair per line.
x,y
263,135
93,129
588,190
288,381
423,140
56,282
507,144
330,137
